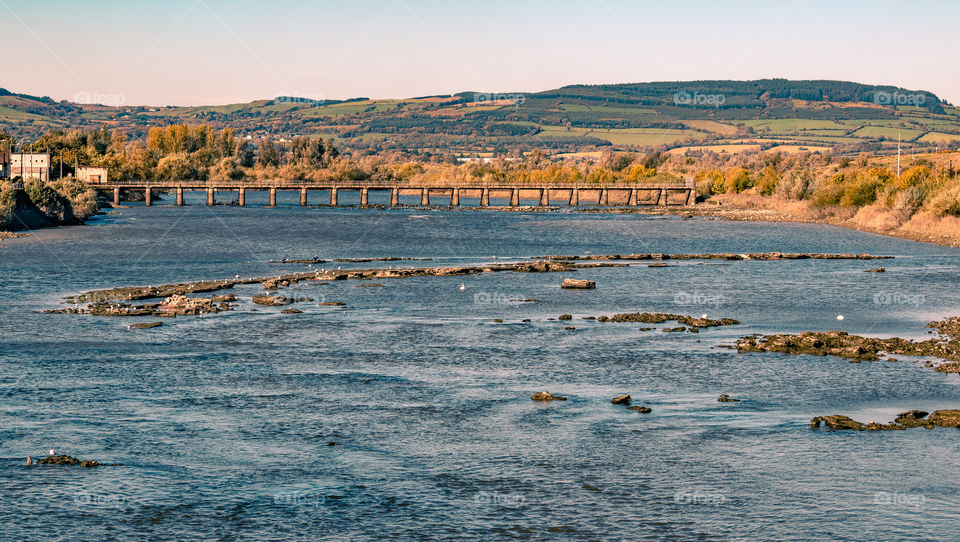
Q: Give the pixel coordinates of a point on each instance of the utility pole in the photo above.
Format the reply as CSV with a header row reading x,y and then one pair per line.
x,y
898,155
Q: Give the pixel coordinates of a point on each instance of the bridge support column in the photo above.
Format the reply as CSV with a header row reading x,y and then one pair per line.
x,y
632,202
210,196
147,197
691,197
485,197
242,197
425,197
454,197
574,196
333,197
303,197
179,196
364,197
116,196
273,196
660,197
394,197
544,197
604,197
515,197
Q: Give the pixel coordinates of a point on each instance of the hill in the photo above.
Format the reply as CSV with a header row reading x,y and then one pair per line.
x,y
684,117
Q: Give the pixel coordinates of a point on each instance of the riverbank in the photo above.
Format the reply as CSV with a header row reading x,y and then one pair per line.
x,y
922,227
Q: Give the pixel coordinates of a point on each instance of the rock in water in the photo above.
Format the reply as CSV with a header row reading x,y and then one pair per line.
x,y
578,284
724,398
272,301
621,400
641,409
67,460
546,396
876,270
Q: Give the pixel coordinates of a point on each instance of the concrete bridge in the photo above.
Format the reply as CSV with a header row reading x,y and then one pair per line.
x,y
543,195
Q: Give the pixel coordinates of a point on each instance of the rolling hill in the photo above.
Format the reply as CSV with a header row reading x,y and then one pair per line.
x,y
725,116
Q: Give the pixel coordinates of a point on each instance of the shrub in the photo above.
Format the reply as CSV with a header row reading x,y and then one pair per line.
x,y
914,176
796,185
946,203
768,181
827,195
739,180
707,181
54,206
861,192
82,198
906,202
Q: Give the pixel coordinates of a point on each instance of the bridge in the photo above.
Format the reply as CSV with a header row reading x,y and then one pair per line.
x,y
543,195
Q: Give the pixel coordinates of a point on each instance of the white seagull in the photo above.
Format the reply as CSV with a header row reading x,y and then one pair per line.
x,y
840,317
463,287
52,452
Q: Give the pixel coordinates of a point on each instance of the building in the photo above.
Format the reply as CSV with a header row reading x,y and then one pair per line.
x,y
4,165
92,175
30,165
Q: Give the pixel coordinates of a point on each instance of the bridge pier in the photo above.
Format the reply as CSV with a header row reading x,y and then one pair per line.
x,y
210,196
303,197
485,197
454,197
333,197
147,197
116,196
242,196
179,196
632,202
691,198
394,197
363,197
544,197
424,197
574,197
515,197
660,197
273,196
604,197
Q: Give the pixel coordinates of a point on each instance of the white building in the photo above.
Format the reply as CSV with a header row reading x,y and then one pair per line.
x,y
30,165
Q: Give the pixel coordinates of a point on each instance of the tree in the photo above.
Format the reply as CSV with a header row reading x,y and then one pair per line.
x,y
267,154
244,154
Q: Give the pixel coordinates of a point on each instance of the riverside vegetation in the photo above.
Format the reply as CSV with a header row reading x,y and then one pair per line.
x,y
922,202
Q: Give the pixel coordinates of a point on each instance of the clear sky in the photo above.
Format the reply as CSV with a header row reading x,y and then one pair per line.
x,y
191,52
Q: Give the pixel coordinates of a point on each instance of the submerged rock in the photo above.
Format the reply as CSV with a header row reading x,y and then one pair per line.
x,y
641,409
876,270
291,311
546,396
724,398
146,325
332,303
272,300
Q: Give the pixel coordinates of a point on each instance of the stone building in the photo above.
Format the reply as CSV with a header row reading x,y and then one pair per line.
x,y
92,174
30,165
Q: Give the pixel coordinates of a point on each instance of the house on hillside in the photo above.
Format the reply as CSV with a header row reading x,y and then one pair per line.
x,y
92,174
30,165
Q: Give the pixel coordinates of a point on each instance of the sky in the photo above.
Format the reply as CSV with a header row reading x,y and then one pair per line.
x,y
207,52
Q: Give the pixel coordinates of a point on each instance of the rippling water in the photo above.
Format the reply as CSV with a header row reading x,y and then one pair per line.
x,y
222,423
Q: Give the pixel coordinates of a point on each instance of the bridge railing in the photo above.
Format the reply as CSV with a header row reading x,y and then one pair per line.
x,y
295,183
